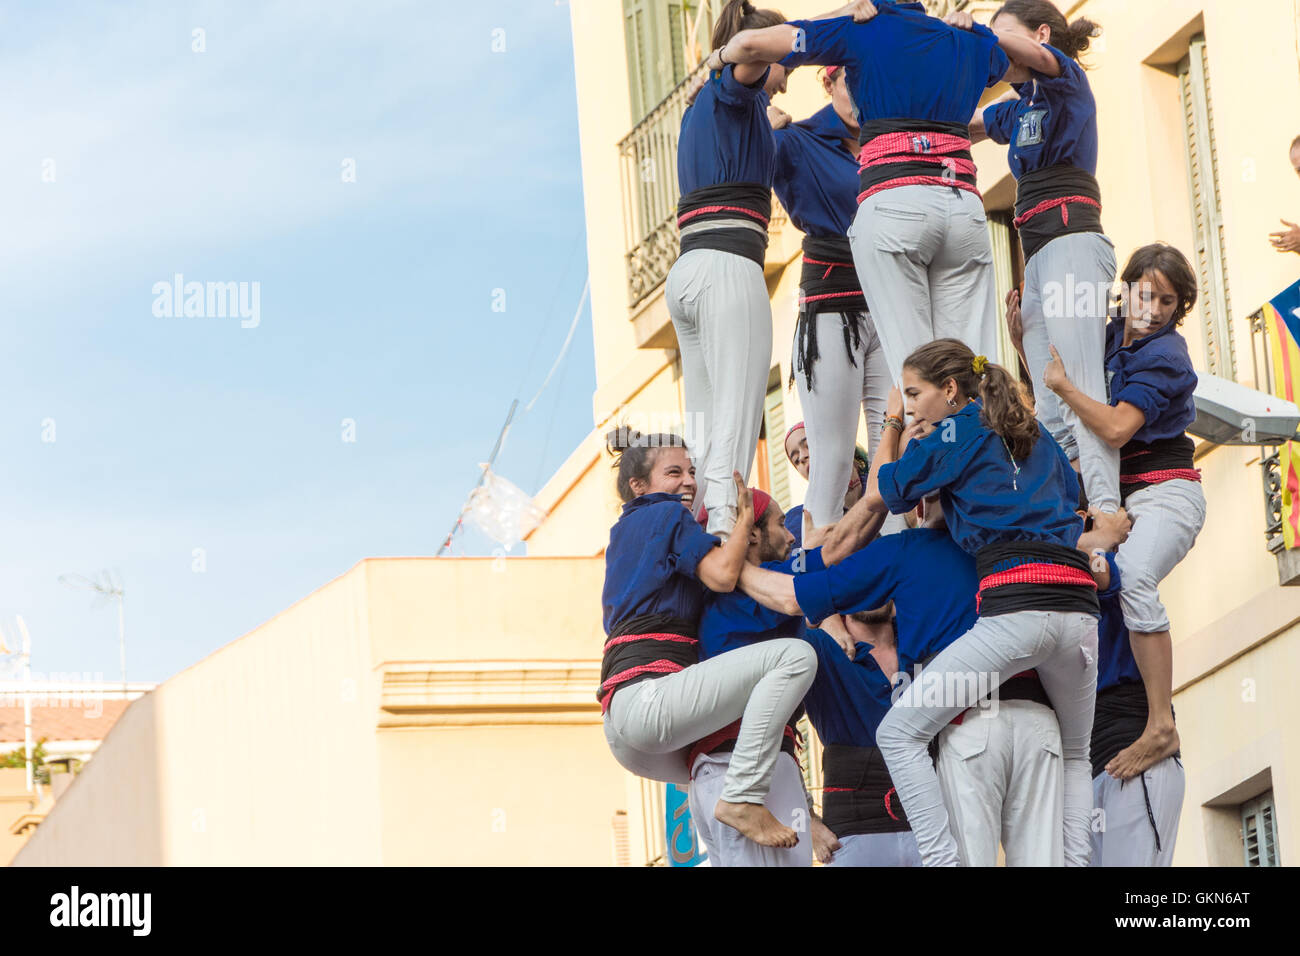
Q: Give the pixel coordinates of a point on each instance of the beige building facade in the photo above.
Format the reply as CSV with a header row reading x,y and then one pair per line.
x,y
443,711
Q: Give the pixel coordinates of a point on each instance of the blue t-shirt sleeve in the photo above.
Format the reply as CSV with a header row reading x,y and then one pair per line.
x,y
1152,382
687,542
1071,77
861,582
824,42
999,119
926,466
787,161
730,92
998,61
812,562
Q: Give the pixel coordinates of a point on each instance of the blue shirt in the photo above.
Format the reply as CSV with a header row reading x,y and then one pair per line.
x,y
735,619
726,136
902,64
654,549
1115,663
848,698
967,463
931,581
1155,375
816,177
1054,121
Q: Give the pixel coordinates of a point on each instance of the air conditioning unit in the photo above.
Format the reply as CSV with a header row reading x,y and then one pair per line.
x,y
1232,414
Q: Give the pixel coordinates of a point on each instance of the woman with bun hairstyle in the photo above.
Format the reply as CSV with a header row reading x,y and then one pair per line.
x,y
1008,495
920,235
715,291
1151,384
657,698
1050,124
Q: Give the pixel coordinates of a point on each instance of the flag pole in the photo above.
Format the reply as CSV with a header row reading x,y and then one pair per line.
x,y
27,700
496,449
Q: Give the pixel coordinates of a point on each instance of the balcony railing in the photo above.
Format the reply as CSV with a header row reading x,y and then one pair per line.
x,y
1270,456
648,159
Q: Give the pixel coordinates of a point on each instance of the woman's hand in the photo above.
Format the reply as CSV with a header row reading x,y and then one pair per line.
x,y
1054,376
1015,322
714,60
744,503
894,404
959,19
778,117
697,84
861,10
1288,241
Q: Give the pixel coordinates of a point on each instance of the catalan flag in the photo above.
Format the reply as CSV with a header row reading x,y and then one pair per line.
x,y
1282,324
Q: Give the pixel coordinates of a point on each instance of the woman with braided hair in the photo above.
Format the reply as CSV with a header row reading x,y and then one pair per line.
x,y
1009,496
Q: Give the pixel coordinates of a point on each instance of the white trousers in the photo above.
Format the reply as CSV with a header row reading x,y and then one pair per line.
x,y
830,410
877,849
1131,815
651,725
1166,520
926,265
1062,646
1067,284
723,318
786,800
1002,780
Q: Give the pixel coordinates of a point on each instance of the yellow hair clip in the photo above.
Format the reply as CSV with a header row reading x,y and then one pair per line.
x,y
979,364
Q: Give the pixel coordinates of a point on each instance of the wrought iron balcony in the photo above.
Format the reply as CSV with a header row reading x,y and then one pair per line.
x,y
648,157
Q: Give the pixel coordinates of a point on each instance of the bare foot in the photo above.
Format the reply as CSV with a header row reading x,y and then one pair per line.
x,y
1155,744
755,822
824,842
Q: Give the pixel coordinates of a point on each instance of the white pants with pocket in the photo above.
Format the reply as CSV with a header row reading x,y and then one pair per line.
x,y
926,265
1062,647
786,800
1067,284
1138,819
723,318
651,725
1002,780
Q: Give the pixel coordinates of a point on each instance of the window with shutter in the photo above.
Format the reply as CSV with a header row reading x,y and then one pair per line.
x,y
665,42
1008,272
1214,303
778,466
635,30
1259,831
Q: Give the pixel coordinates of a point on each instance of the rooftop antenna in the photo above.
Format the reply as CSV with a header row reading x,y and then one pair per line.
x,y
108,587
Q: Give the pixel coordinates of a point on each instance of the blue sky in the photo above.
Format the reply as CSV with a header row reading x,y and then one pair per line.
x,y
183,433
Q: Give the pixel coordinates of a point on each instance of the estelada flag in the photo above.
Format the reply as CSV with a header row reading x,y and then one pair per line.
x,y
1282,324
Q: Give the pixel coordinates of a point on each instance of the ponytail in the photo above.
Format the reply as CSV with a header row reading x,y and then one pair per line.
x,y
1005,411
740,15
634,455
1072,39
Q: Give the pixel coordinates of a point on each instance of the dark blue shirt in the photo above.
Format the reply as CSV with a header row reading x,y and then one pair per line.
x,y
1054,121
931,581
902,64
726,136
1115,663
968,464
816,177
848,698
1155,375
650,562
735,619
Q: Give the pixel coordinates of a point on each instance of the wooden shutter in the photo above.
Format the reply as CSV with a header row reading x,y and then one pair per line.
x,y
1001,238
636,27
778,466
1214,303
1259,831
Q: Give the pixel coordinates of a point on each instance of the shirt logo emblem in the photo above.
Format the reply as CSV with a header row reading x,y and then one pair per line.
x,y
1031,128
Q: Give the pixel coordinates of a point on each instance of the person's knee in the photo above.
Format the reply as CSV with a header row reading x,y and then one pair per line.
x,y
799,657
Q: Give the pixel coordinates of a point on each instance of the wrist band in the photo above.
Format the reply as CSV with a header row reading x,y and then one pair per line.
x,y
892,422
